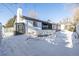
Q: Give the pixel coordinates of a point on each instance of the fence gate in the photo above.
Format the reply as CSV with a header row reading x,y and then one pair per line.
x,y
19,28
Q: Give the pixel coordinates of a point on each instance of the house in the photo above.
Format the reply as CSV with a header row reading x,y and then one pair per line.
x,y
32,26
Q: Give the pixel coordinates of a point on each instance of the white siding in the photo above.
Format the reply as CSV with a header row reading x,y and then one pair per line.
x,y
39,25
54,26
30,23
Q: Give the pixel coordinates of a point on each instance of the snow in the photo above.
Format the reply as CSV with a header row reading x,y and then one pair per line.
x,y
61,43
69,39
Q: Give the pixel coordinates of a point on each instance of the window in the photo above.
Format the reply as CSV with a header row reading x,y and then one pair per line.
x,y
46,26
35,23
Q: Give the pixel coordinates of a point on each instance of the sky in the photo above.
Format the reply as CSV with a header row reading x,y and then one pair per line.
x,y
44,11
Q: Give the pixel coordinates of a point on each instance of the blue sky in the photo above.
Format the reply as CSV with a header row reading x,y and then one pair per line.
x,y
45,11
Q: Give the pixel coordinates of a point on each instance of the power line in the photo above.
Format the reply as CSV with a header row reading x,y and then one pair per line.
x,y
8,8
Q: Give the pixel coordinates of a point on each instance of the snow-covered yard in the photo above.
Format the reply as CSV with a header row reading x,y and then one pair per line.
x,y
62,43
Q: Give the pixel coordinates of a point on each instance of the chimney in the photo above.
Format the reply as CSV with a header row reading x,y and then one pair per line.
x,y
19,15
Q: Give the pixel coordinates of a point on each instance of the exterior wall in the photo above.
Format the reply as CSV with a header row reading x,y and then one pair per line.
x,y
54,26
30,23
30,29
58,27
62,26
48,31
35,31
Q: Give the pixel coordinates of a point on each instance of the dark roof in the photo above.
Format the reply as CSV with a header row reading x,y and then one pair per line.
x,y
12,20
33,19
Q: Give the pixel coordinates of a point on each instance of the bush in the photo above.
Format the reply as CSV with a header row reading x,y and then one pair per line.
x,y
70,28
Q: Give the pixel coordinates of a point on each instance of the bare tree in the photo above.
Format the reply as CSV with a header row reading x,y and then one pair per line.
x,y
32,14
76,15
